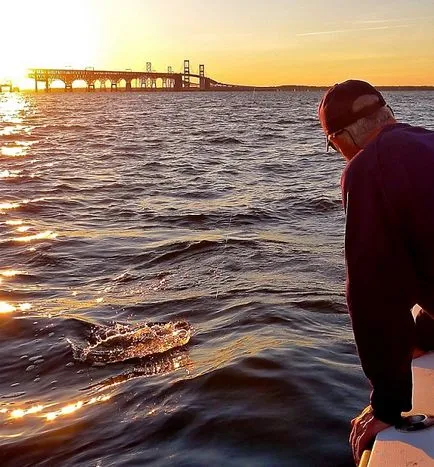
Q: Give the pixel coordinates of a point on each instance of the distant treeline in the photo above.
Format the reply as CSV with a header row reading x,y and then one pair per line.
x,y
297,87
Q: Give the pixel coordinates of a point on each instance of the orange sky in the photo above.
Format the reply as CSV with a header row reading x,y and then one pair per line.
x,y
254,42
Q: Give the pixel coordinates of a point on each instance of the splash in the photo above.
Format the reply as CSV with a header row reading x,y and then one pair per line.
x,y
120,342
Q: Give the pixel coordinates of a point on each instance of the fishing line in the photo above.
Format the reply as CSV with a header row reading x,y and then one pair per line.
x,y
223,262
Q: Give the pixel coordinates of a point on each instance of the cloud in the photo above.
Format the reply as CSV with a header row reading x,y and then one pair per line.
x,y
343,31
392,20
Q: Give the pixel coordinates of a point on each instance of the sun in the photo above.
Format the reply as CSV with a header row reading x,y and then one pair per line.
x,y
44,35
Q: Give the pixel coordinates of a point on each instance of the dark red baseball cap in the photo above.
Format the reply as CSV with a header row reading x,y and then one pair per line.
x,y
336,108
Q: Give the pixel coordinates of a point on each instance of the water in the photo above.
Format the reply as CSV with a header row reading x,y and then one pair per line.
x,y
119,211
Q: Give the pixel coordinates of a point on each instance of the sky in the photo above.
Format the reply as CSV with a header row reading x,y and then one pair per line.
x,y
251,42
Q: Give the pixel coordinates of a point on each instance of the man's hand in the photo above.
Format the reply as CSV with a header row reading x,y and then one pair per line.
x,y
364,430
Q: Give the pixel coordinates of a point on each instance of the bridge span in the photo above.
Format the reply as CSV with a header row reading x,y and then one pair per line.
x,y
134,80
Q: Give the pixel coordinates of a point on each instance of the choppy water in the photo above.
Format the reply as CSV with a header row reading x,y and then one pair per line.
x,y
222,210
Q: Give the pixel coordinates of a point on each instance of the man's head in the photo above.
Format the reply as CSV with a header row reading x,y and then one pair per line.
x,y
351,114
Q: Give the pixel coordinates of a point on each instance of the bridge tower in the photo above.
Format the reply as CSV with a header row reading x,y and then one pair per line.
x,y
186,73
152,82
202,77
168,82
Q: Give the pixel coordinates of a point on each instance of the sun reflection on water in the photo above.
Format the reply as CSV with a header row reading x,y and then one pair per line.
x,y
6,307
46,235
9,173
14,222
5,206
11,273
20,413
47,413
14,151
12,107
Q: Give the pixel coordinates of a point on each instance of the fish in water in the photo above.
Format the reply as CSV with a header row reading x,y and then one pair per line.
x,y
154,365
120,342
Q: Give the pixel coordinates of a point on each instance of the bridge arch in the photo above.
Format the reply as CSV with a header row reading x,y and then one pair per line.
x,y
79,83
102,83
57,83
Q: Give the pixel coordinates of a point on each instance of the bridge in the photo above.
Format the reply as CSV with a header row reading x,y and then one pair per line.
x,y
134,80
7,84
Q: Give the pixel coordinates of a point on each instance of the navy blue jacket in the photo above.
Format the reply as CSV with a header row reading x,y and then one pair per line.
x,y
388,195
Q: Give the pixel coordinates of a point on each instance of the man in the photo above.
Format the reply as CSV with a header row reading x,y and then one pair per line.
x,y
388,196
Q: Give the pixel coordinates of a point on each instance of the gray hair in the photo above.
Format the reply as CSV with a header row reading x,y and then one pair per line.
x,y
362,128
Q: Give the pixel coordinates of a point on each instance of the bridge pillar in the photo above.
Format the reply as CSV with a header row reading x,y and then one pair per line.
x,y
186,73
47,85
177,86
36,85
114,86
91,86
128,85
68,87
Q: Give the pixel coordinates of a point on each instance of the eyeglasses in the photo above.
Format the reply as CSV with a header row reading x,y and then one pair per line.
x,y
329,143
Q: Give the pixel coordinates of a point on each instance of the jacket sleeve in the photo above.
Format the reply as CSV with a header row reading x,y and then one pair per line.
x,y
379,295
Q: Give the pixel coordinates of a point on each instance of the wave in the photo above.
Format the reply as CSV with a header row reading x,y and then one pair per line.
x,y
179,249
284,121
185,250
43,258
271,136
321,305
17,138
319,204
324,204
56,127
224,140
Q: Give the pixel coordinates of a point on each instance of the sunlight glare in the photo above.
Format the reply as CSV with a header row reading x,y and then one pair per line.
x,y
46,235
13,151
59,41
5,307
19,413
14,222
10,273
4,206
9,173
73,407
